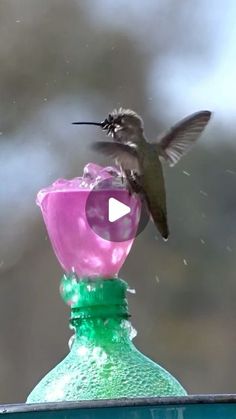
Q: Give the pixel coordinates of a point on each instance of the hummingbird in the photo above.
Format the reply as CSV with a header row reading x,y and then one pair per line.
x,y
140,160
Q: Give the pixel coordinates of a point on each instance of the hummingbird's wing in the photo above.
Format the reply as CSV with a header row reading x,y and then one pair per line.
x,y
125,155
177,141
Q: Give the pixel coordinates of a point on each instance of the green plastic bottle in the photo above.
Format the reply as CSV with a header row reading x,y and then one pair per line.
x,y
103,362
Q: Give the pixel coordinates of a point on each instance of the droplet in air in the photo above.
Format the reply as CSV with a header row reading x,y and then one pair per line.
x,y
203,193
232,172
157,279
185,262
186,173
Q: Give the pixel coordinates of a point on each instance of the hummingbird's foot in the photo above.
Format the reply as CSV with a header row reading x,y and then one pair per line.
x,y
129,188
134,184
122,178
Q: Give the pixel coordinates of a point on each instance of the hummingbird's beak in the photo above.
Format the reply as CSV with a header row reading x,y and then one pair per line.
x,y
98,124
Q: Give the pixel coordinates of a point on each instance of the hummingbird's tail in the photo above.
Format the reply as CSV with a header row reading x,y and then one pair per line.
x,y
159,218
163,228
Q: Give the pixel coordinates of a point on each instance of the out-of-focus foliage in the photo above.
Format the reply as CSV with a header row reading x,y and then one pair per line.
x,y
64,61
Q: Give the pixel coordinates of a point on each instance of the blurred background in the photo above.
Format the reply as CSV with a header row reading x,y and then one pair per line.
x,y
76,60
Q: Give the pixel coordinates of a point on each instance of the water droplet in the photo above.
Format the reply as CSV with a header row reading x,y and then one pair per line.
x,y
185,262
228,248
131,290
186,173
71,341
202,241
157,279
203,193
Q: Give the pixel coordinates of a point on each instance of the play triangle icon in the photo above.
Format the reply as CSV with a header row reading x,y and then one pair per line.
x,y
116,210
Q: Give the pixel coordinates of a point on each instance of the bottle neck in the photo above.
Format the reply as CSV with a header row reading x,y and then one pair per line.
x,y
99,309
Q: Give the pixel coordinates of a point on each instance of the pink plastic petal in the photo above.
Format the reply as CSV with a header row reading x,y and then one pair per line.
x,y
75,244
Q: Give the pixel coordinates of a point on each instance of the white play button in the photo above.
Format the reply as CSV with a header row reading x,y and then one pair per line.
x,y
116,210
112,212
